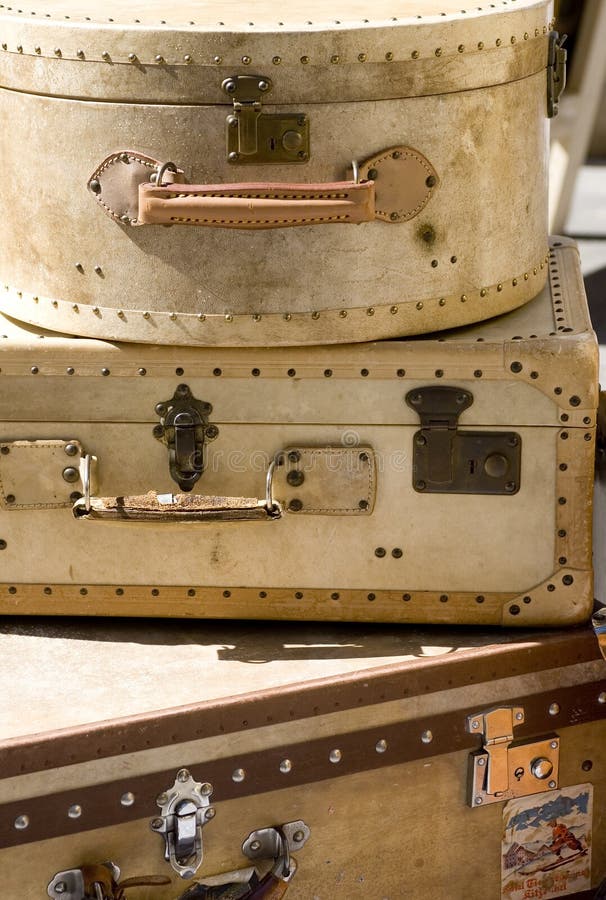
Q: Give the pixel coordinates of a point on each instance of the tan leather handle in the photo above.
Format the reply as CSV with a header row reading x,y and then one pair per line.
x,y
256,205
153,507
135,189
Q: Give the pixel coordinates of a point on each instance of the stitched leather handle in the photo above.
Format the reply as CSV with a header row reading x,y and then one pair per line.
x,y
135,189
256,206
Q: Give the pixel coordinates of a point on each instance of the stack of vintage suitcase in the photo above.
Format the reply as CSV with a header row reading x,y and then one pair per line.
x,y
284,338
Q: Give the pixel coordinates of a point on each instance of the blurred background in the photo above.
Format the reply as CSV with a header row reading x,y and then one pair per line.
x,y
578,149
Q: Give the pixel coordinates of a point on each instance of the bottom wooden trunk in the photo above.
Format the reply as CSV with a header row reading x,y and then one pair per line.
x,y
416,764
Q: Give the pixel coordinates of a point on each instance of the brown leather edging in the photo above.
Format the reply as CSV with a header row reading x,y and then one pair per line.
x,y
310,763
366,687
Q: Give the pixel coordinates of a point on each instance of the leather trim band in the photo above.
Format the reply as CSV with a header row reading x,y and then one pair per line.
x,y
367,687
310,763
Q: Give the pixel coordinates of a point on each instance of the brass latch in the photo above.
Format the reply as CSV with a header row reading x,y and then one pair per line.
x,y
256,137
556,72
447,460
505,768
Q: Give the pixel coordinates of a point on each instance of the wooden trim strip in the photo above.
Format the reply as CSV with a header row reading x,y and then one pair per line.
x,y
34,753
310,762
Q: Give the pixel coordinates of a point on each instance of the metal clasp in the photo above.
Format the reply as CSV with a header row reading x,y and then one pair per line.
x,y
447,460
184,428
73,885
185,809
254,136
556,72
505,768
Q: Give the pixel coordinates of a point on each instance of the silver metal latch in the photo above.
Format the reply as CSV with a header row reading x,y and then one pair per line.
x,y
556,72
185,809
77,884
505,768
254,136
184,428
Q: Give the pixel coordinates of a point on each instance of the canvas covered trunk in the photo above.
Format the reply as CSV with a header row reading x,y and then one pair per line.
x,y
366,763
340,174
446,479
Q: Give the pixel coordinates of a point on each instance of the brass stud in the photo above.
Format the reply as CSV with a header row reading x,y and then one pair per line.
x,y
463,298
419,305
201,317
526,276
514,282
277,60
80,54
38,50
57,51
480,45
54,303
75,307
188,59
172,316
534,271
229,317
526,35
132,57
393,310
5,46
370,311
217,60
461,48
120,313
256,317
96,310
159,59
315,314
146,315
415,54
343,313
335,58
246,60
537,32
513,39
105,55
483,292
305,60
362,57
287,317
438,51
389,56
442,301
498,42
499,286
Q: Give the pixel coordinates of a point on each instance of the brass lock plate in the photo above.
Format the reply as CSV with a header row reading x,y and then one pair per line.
x,y
531,768
255,137
280,139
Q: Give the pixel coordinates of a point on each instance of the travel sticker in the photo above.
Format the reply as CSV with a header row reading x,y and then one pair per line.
x,y
547,844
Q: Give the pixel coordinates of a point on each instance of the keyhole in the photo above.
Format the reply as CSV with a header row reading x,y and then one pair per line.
x,y
272,143
519,772
471,464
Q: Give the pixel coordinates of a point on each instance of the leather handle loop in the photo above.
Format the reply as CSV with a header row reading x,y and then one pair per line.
x,y
256,206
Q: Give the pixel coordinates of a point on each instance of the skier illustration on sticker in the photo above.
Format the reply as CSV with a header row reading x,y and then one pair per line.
x,y
547,844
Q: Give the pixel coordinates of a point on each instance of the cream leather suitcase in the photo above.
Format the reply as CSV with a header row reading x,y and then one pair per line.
x,y
446,479
317,763
423,123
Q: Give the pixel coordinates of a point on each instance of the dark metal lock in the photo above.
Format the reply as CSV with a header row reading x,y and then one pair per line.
x,y
184,428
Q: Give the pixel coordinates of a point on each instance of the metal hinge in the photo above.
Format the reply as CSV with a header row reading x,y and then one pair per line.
x,y
184,810
184,428
256,137
76,884
505,768
449,461
556,72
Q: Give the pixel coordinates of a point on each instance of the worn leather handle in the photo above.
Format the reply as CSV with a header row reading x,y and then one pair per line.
x,y
158,508
256,206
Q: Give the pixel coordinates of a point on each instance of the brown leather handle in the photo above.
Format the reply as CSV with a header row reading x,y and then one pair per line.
x,y
256,205
393,186
269,888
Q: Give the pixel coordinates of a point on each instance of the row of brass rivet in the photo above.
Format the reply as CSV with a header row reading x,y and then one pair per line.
x,y
246,60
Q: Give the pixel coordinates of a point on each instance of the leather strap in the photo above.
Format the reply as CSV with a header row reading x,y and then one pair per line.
x,y
257,205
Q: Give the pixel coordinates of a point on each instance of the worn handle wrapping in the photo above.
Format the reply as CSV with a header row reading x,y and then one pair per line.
x,y
153,507
255,206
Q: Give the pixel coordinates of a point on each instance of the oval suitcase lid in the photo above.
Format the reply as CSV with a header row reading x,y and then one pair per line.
x,y
313,50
